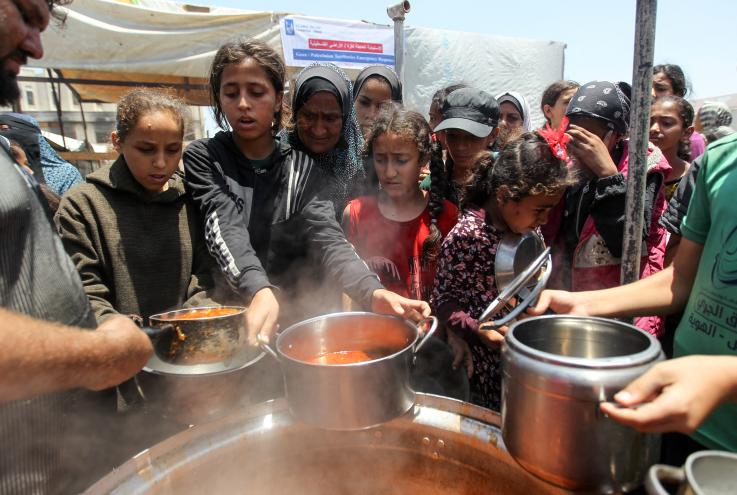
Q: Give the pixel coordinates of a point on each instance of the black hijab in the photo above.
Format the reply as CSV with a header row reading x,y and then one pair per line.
x,y
385,73
602,100
317,78
26,135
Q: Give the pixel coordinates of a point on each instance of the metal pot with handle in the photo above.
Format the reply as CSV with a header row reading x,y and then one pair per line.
x,y
348,371
708,472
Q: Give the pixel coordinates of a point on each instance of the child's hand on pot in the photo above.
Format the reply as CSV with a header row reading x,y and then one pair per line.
x,y
461,353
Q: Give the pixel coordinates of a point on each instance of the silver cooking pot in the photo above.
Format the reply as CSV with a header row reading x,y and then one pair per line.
x,y
442,447
356,395
708,472
557,370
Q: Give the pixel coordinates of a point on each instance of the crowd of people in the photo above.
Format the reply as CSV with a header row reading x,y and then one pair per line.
x,y
336,196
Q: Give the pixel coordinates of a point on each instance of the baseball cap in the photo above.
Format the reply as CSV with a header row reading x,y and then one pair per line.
x,y
470,110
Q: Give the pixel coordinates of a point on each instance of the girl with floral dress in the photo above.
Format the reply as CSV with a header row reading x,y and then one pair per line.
x,y
515,193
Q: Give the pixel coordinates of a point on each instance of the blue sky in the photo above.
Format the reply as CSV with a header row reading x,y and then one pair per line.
x,y
700,36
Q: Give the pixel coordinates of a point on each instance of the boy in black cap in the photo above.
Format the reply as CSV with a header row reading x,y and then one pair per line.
x,y
469,125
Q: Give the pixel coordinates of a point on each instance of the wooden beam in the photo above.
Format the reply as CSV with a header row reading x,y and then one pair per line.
x,y
88,155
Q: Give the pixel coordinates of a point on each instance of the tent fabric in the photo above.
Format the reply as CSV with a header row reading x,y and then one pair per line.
x,y
171,43
437,58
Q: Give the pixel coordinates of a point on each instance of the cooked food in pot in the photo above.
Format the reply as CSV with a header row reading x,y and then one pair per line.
x,y
203,313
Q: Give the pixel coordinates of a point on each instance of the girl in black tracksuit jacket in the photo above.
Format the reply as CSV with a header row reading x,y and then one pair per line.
x,y
264,221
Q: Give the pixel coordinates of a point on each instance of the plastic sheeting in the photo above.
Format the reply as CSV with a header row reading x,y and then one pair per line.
x,y
437,58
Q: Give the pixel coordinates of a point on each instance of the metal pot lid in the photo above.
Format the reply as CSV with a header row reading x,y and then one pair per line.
x,y
514,253
240,360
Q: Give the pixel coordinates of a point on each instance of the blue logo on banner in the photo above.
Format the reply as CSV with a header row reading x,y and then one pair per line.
x,y
289,26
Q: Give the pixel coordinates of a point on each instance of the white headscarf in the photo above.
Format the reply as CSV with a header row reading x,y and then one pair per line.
x,y
524,107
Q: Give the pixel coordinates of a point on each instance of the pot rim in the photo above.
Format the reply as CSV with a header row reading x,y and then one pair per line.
x,y
646,356
167,316
692,459
293,328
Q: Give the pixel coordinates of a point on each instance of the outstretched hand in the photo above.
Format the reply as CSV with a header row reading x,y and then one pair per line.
x,y
560,302
676,395
387,302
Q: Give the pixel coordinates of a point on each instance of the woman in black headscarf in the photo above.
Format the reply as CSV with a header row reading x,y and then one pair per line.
x,y
376,84
324,125
26,135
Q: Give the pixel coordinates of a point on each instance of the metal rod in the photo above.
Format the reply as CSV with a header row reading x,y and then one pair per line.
x,y
57,103
642,74
396,13
81,108
103,82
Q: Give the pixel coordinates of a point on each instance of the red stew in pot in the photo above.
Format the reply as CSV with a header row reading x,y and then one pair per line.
x,y
205,313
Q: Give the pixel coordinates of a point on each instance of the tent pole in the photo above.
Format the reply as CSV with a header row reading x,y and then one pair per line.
x,y
642,74
57,103
81,107
396,13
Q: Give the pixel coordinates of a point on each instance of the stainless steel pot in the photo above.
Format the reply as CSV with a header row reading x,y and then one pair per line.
x,y
201,335
349,396
556,372
442,447
708,472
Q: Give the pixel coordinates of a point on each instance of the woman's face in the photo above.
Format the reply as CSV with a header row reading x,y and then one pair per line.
x,y
152,149
248,100
529,212
556,113
374,92
662,85
666,126
510,124
320,122
397,163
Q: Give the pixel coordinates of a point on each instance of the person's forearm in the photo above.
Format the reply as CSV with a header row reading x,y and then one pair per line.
x,y
37,357
730,375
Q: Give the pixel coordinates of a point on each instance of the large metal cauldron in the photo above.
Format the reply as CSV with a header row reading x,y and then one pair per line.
x,y
557,371
441,446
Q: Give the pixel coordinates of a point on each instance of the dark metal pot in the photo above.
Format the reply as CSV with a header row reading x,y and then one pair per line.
x,y
200,335
349,396
557,371
442,447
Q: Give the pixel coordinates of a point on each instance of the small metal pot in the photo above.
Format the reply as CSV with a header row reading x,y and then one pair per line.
x,y
201,340
556,372
349,396
708,472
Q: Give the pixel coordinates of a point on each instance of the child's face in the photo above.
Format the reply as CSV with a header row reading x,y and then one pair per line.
x,y
373,93
152,149
666,126
662,85
558,111
529,212
397,164
249,100
464,148
320,122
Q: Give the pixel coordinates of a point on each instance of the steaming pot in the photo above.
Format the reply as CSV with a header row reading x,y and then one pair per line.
x,y
349,396
442,447
557,370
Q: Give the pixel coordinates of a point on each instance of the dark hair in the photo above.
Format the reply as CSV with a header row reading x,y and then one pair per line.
x,y
439,97
676,76
235,52
526,167
686,114
553,92
413,126
140,101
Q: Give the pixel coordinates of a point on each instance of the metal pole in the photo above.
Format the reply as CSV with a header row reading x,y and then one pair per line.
x,y
642,74
396,13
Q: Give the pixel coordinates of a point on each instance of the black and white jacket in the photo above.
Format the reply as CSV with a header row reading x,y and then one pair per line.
x,y
267,227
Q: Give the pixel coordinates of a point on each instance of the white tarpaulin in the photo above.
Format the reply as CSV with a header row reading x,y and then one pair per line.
x,y
348,44
436,58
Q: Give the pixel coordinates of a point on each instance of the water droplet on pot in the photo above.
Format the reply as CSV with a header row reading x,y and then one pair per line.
x,y
441,444
425,441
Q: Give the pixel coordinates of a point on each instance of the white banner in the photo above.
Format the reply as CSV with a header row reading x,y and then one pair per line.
x,y
347,44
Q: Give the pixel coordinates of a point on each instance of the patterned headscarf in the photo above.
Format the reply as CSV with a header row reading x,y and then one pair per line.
x,y
520,103
342,164
602,100
59,174
715,118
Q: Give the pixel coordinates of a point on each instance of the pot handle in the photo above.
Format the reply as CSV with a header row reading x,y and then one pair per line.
x,y
433,326
662,472
155,333
264,346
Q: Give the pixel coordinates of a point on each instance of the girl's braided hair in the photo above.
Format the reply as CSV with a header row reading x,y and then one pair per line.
x,y
526,167
412,126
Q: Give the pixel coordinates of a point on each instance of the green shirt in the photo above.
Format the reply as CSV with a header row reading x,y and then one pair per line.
x,y
709,324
